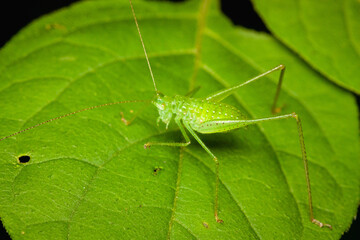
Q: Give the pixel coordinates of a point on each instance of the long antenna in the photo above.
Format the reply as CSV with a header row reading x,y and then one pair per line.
x,y
72,113
102,105
143,45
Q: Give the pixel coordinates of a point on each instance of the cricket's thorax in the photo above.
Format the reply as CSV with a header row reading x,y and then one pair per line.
x,y
202,115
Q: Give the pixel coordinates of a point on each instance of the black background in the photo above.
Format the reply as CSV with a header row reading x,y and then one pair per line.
x,y
17,14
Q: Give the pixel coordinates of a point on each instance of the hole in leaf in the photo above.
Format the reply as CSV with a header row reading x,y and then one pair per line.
x,y
157,170
24,159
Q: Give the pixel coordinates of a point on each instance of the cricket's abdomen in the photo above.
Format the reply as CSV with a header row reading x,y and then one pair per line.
x,y
207,116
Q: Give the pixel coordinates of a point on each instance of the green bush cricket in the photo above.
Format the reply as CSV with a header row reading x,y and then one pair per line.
x,y
205,115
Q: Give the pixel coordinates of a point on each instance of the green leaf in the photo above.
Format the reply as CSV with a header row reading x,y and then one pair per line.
x,y
89,176
325,33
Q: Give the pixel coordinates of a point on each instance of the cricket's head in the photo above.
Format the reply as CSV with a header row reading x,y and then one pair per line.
x,y
164,105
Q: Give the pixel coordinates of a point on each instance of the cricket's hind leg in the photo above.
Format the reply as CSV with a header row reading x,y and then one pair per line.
x,y
304,158
219,96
